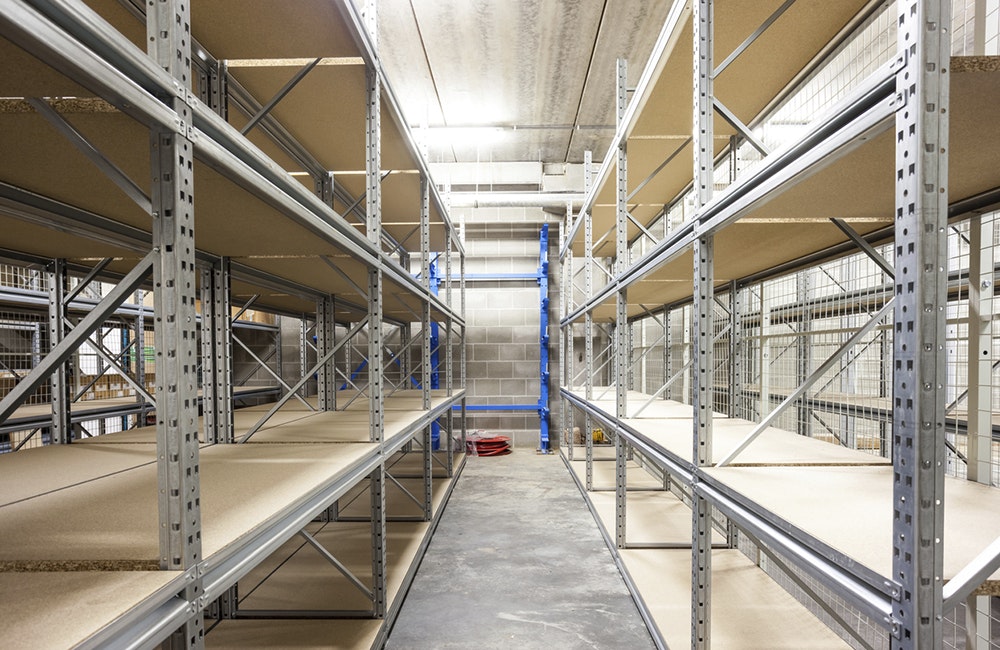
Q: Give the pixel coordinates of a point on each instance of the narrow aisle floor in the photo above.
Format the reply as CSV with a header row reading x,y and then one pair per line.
x,y
518,562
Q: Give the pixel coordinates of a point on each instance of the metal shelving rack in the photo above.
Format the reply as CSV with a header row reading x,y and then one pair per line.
x,y
728,239
175,97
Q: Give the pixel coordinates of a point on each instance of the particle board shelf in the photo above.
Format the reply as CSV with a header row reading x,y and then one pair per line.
x,y
828,502
29,416
663,126
230,214
242,488
604,476
295,577
669,426
605,401
661,580
782,228
52,468
59,609
771,618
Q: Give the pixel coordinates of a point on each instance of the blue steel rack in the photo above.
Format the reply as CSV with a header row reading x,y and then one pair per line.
x,y
541,277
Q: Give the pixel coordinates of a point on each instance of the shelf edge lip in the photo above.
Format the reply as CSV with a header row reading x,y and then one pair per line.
x,y
150,623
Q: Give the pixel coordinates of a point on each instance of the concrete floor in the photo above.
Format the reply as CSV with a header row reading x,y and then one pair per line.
x,y
518,562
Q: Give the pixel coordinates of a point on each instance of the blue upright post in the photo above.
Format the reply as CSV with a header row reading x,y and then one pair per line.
x,y
435,359
543,397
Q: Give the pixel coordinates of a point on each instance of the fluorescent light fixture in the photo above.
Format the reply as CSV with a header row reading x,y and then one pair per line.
x,y
293,63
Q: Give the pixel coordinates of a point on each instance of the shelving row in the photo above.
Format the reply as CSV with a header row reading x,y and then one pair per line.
x,y
736,339
220,158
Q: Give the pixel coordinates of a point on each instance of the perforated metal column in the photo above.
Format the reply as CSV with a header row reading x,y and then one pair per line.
x,y
982,307
803,354
326,378
425,339
376,365
59,384
918,434
588,341
168,32
622,347
703,309
217,357
737,351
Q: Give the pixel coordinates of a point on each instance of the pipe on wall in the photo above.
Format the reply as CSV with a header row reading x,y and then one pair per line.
x,y
513,200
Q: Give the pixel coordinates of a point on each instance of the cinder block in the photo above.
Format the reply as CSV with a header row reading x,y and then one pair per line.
x,y
475,369
510,318
500,369
525,335
485,352
483,318
525,369
513,386
484,389
500,335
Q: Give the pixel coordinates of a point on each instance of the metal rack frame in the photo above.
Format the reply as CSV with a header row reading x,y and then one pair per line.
x,y
911,92
158,91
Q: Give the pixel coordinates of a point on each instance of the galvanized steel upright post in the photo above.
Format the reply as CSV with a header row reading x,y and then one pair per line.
x,y
376,367
59,380
702,310
622,351
168,31
921,225
425,340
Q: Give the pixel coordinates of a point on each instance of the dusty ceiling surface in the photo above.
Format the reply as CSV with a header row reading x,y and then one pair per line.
x,y
514,80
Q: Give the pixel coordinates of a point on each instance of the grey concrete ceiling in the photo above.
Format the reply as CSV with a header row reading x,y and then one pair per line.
x,y
541,70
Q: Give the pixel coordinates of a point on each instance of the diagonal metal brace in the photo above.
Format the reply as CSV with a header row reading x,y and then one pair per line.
x,y
738,124
84,146
807,384
864,246
287,88
302,382
270,371
361,292
337,564
971,576
86,281
119,370
65,348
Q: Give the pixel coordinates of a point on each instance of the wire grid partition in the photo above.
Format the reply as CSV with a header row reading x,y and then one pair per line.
x,y
963,27
791,325
721,341
959,342
22,337
678,357
20,277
